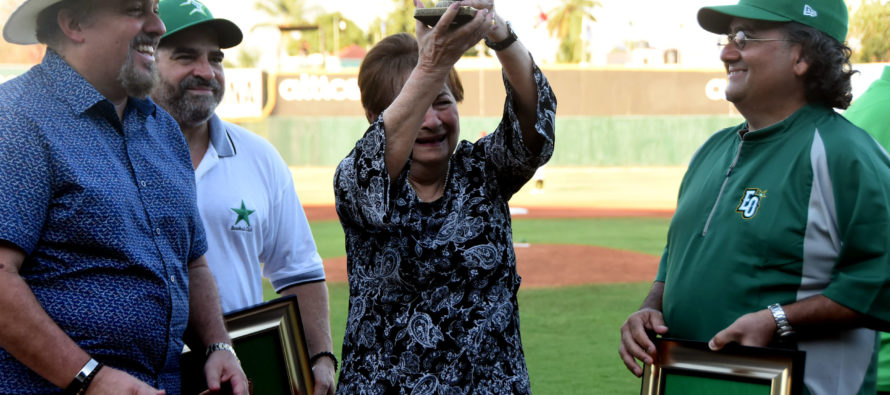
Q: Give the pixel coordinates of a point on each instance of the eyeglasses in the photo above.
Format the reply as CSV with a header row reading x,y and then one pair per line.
x,y
740,38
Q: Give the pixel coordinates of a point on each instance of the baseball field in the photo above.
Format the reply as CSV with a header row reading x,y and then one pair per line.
x,y
587,244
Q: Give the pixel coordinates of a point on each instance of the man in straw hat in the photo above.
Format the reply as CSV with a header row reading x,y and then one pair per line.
x,y
252,216
782,230
101,244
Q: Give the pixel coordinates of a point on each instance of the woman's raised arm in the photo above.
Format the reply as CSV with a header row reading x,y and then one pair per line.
x,y
440,48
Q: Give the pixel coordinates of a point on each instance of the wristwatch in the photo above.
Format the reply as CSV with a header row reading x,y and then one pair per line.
x,y
219,347
783,327
83,378
505,43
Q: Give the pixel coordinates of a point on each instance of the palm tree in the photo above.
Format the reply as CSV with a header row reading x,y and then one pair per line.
x,y
565,22
286,11
334,33
871,25
400,20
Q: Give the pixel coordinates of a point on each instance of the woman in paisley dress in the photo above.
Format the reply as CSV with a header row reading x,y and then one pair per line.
x,y
430,260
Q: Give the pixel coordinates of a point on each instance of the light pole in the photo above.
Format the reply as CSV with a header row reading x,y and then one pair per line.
x,y
336,34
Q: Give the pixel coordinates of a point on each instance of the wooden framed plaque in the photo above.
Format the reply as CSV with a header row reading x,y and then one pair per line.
x,y
271,345
691,368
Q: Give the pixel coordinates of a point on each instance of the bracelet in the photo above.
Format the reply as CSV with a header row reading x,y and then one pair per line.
x,y
324,354
220,346
783,327
84,377
505,43
89,379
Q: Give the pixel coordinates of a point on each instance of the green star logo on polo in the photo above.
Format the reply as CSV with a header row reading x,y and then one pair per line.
x,y
243,214
198,6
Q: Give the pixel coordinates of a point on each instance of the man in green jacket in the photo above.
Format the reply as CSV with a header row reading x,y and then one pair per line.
x,y
871,112
782,227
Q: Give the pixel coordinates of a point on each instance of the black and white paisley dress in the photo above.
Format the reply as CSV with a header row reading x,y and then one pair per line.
x,y
432,286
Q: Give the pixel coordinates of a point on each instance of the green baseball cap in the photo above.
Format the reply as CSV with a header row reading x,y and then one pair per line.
x,y
179,15
827,16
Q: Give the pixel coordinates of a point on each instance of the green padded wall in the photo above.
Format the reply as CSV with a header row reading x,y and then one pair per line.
x,y
581,141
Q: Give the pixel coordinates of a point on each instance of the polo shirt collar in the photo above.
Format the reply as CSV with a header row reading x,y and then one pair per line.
x,y
786,125
76,91
219,137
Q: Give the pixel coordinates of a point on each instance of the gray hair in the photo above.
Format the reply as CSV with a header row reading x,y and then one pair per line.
x,y
48,30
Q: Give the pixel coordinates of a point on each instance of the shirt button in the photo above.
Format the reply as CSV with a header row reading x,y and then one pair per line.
x,y
172,279
158,231
143,183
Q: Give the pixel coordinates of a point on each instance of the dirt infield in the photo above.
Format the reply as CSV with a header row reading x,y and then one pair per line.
x,y
548,265
322,213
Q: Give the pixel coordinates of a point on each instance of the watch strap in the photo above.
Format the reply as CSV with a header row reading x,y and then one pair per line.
x,y
84,377
220,347
783,327
505,43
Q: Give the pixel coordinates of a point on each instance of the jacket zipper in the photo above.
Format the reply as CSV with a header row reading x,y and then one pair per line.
x,y
722,187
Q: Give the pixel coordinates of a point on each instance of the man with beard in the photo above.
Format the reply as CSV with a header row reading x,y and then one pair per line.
x,y
253,219
781,236
101,245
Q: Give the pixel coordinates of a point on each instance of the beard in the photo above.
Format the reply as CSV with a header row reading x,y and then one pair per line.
x,y
137,81
186,109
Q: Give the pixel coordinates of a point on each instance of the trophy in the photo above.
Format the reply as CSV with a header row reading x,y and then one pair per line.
x,y
431,16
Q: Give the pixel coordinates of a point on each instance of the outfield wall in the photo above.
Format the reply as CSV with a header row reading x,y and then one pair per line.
x,y
605,117
610,141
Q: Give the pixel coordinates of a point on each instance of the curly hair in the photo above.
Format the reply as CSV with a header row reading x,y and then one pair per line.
x,y
828,78
385,69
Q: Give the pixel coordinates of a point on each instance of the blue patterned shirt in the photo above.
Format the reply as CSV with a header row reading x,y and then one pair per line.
x,y
105,212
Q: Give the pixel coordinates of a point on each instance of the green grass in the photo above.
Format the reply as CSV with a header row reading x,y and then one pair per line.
x,y
571,338
329,238
570,334
646,235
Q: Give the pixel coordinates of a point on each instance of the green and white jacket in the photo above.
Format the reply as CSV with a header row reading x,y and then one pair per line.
x,y
797,209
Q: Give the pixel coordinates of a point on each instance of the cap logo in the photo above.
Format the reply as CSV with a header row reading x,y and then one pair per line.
x,y
198,6
809,11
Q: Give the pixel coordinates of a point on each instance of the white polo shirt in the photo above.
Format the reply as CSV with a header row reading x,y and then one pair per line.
x,y
253,219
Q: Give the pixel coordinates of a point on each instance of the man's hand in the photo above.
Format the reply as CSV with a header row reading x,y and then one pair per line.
x,y
110,381
221,367
752,329
635,342
323,372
